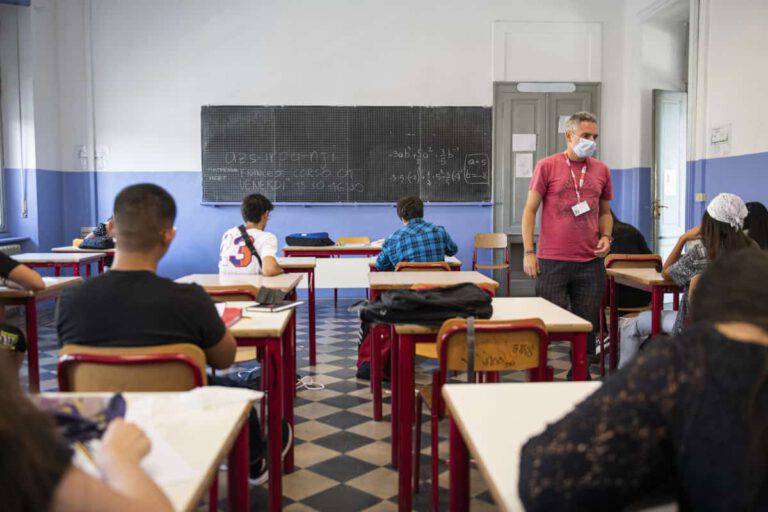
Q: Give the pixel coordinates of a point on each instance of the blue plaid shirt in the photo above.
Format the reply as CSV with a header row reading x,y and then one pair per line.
x,y
417,241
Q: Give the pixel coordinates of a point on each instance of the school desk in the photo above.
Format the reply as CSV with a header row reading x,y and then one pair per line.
x,y
272,335
59,260
29,299
77,250
561,325
647,279
328,251
202,437
305,266
518,412
382,281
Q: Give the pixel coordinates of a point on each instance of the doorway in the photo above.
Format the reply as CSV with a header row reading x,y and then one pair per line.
x,y
528,125
668,182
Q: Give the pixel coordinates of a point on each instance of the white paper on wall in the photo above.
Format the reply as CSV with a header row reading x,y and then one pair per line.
x,y
524,142
561,123
523,165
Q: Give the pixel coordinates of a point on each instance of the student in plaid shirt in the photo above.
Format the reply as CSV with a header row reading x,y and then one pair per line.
x,y
418,240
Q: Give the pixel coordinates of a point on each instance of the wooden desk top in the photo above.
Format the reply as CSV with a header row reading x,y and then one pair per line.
x,y
641,276
284,282
259,325
57,257
337,248
495,445
402,280
296,262
53,285
72,248
554,317
453,261
202,436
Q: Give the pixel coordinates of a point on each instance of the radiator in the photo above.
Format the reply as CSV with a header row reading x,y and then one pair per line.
x,y
11,249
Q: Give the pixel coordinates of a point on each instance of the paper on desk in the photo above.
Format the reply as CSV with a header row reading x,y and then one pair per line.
x,y
161,409
163,463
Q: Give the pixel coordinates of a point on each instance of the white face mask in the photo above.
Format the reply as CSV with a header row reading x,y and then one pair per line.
x,y
585,148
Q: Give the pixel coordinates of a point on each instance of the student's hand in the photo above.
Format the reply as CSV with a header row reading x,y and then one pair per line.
x,y
603,247
122,441
531,265
692,234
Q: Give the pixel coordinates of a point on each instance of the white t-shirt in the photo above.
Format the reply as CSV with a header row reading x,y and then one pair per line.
x,y
234,256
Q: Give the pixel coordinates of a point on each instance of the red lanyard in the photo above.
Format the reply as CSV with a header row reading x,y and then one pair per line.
x,y
581,180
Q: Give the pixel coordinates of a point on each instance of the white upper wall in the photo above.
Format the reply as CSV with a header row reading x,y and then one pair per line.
x,y
156,63
733,87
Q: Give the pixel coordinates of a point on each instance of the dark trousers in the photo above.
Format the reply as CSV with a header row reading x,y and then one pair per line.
x,y
575,286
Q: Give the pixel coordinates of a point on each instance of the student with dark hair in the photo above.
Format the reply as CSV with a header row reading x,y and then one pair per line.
x,y
418,240
627,239
247,248
721,231
756,223
131,306
687,418
36,471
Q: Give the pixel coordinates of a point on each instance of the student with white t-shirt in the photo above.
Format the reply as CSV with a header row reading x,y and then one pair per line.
x,y
237,255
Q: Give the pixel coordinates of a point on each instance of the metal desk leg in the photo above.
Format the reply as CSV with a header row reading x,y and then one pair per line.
x,y
459,467
237,475
405,418
32,346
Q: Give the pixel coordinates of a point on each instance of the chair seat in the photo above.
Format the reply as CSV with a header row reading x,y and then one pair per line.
x,y
501,266
428,350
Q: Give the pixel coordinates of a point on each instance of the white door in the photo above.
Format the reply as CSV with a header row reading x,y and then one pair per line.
x,y
668,172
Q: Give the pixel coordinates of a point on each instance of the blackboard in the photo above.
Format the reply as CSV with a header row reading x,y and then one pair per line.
x,y
346,154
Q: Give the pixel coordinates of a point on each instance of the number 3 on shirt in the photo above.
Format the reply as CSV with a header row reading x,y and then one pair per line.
x,y
243,257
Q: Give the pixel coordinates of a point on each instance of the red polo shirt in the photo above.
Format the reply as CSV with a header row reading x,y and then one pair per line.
x,y
562,235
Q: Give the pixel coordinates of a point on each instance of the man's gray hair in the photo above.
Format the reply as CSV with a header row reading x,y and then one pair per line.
x,y
573,122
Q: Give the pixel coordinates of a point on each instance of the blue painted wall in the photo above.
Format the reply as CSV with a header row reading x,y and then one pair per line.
x,y
64,206
59,203
632,197
744,175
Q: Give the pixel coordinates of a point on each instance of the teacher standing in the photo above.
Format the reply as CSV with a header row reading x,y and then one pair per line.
x,y
574,191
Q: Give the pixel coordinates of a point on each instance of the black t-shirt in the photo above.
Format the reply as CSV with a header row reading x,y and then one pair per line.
x,y
7,264
628,240
137,309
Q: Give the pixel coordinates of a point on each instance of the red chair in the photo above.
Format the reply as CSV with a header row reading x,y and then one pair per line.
x,y
492,241
623,261
176,367
499,346
422,266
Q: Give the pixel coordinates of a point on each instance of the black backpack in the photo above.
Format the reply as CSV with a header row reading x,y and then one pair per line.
x,y
428,307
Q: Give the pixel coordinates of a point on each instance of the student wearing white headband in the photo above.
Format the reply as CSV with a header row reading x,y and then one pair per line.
x,y
721,231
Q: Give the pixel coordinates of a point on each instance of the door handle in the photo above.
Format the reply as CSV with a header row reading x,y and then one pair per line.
x,y
657,206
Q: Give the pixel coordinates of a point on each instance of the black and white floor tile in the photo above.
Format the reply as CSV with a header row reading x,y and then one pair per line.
x,y
342,456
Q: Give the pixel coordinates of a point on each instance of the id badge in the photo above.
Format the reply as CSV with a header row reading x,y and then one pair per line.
x,y
580,208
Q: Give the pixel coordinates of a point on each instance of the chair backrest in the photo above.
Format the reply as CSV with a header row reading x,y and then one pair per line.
x,y
499,345
486,287
232,295
422,266
176,367
633,261
353,240
491,241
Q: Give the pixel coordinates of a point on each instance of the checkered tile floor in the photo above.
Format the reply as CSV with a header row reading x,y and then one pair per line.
x,y
342,456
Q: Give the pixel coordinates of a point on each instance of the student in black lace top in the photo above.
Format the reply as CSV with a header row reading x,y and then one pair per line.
x,y
689,416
